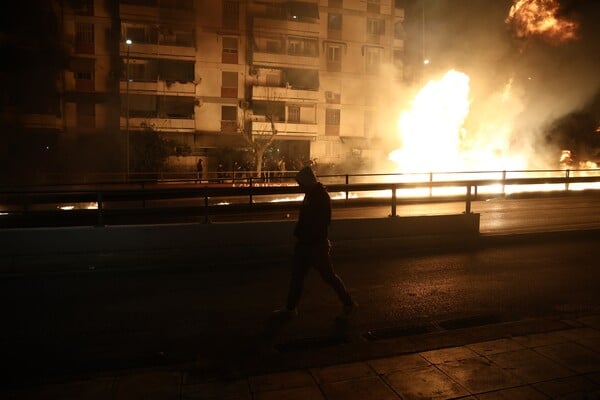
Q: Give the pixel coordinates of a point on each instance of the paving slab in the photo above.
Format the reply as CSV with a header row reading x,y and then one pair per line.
x,y
570,386
450,354
424,383
388,365
573,356
518,393
372,387
530,366
541,339
342,372
495,346
479,375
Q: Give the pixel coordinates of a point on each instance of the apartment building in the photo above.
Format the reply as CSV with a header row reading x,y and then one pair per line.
x,y
204,73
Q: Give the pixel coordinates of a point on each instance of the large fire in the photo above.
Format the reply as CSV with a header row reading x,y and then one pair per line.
x,y
434,137
541,18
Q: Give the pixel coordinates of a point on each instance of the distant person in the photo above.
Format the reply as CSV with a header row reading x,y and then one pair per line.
x,y
312,246
200,169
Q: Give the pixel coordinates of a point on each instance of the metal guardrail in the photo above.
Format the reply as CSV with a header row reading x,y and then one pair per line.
x,y
238,190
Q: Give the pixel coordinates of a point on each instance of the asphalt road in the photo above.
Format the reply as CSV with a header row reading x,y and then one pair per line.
x,y
92,320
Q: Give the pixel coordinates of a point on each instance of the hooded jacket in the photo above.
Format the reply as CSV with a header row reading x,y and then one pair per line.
x,y
315,216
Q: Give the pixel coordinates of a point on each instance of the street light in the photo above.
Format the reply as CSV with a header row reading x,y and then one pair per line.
x,y
128,42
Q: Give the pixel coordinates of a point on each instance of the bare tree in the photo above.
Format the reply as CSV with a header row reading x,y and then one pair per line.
x,y
260,142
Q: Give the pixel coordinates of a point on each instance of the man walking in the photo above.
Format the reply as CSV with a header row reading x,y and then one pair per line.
x,y
312,245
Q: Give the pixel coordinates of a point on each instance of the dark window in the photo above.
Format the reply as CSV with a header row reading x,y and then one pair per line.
x,y
294,114
140,105
176,107
84,38
398,30
373,6
172,70
228,113
375,26
83,7
83,72
332,116
334,58
231,12
86,115
334,22
229,85
332,121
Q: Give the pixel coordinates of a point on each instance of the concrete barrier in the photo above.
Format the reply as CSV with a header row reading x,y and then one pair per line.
x,y
226,243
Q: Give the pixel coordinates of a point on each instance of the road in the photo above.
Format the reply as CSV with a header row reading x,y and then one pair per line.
x,y
92,320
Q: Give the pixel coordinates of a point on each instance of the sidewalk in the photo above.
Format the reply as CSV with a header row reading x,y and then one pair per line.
x,y
550,358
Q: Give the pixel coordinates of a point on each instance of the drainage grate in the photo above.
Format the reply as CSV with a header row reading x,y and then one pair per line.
x,y
311,343
469,322
397,331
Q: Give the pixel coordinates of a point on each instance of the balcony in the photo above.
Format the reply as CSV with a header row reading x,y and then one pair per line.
x,y
284,129
286,26
156,50
41,121
270,93
159,124
277,60
162,87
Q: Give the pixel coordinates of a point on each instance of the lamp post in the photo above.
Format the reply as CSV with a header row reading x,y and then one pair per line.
x,y
128,42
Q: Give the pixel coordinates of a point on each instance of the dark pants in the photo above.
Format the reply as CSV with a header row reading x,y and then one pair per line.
x,y
316,255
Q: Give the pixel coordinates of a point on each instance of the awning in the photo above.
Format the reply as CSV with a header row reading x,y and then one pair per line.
x,y
303,10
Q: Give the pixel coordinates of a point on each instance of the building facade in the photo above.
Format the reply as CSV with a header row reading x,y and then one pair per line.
x,y
204,73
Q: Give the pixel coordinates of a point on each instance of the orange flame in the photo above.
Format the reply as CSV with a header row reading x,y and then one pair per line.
x,y
541,18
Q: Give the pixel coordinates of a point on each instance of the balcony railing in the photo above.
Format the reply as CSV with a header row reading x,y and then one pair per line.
x,y
159,124
285,128
272,93
159,86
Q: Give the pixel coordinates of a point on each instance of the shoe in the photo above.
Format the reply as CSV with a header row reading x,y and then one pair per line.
x,y
348,311
284,313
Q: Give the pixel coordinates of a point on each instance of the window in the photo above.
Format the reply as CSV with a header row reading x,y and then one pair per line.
x,y
332,116
373,6
334,22
84,81
228,119
84,38
136,33
334,58
231,12
375,26
86,115
180,107
335,3
398,58
229,85
302,47
83,7
230,50
332,121
83,72
398,30
294,114
373,60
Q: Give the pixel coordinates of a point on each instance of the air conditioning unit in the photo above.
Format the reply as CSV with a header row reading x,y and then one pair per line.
x,y
244,104
329,96
253,71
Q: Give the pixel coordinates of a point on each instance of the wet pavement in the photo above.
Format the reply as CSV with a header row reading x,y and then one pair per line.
x,y
529,359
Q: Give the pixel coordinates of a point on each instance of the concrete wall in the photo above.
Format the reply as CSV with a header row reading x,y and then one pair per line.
x,y
226,243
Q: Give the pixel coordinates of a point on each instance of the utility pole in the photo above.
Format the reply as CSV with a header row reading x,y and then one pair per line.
x,y
128,42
